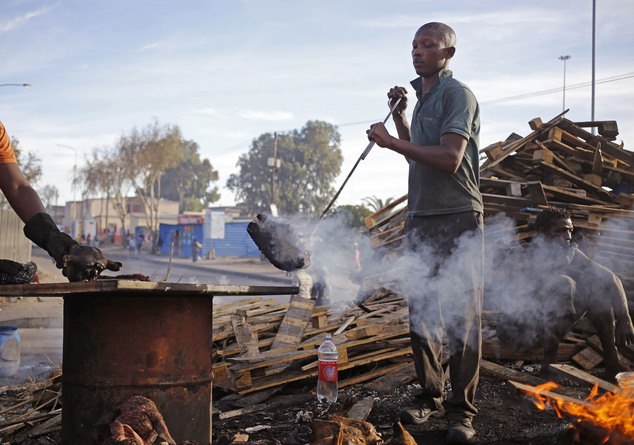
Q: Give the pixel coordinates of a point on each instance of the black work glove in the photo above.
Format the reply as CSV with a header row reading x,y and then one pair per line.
x,y
41,229
12,272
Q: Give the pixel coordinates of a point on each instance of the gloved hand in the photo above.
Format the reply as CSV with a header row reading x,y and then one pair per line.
x,y
78,263
41,229
12,272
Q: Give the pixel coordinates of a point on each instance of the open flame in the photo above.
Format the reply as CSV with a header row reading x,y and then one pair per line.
x,y
611,413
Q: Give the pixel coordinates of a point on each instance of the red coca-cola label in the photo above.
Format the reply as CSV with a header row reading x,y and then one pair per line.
x,y
328,370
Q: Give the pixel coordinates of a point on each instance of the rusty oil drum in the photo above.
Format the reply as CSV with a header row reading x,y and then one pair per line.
x,y
120,345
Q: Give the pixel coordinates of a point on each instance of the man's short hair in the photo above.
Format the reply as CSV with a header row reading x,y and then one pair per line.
x,y
444,32
547,216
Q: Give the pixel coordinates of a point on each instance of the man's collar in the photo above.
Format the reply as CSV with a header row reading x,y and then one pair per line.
x,y
417,83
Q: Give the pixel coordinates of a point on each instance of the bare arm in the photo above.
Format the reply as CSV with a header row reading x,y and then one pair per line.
x,y
445,157
21,196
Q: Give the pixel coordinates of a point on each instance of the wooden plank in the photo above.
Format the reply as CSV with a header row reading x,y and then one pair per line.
x,y
536,192
530,390
607,147
378,372
583,377
597,163
495,349
518,144
344,325
371,221
570,197
238,412
587,358
499,372
271,357
295,375
361,409
402,375
291,331
370,330
580,182
246,338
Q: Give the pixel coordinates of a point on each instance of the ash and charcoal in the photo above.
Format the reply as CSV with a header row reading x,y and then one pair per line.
x,y
279,243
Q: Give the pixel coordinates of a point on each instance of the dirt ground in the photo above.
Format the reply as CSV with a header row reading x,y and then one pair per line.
x,y
505,417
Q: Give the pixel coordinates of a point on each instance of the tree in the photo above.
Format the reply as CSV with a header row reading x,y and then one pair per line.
x,y
375,204
30,165
49,195
107,174
189,181
309,161
148,153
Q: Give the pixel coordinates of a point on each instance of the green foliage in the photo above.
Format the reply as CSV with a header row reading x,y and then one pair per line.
x,y
375,204
188,182
351,215
310,160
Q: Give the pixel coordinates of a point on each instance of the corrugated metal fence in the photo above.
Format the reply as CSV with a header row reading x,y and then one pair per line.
x,y
13,244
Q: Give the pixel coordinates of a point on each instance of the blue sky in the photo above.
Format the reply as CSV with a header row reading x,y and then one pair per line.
x,y
228,71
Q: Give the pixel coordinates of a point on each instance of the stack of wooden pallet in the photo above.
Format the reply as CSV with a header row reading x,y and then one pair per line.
x,y
254,340
559,164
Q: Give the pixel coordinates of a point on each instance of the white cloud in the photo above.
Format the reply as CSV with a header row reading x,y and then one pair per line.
x,y
20,21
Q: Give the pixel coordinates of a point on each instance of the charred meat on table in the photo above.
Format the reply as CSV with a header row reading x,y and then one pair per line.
x,y
279,243
84,263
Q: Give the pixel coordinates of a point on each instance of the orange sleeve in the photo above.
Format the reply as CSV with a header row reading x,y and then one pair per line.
x,y
7,156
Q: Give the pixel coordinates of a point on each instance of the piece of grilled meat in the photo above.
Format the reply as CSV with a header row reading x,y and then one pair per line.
x,y
85,263
279,243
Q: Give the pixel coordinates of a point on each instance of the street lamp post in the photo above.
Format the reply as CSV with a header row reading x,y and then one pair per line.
x,y
74,180
15,85
565,59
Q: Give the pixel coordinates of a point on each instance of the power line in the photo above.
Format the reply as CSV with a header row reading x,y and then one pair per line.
x,y
526,95
557,90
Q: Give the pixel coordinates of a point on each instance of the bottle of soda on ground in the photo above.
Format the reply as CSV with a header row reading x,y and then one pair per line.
x,y
327,383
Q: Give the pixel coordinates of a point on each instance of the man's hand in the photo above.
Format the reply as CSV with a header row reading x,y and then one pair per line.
x,y
624,334
394,94
379,134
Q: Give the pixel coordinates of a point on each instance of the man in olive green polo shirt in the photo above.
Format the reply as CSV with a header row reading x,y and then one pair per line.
x,y
444,228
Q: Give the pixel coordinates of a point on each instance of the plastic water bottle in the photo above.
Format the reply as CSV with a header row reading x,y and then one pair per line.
x,y
9,351
327,383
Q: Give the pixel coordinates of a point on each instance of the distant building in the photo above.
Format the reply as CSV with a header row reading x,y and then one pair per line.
x,y
93,216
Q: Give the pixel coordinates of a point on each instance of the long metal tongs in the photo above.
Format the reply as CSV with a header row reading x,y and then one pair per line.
x,y
363,155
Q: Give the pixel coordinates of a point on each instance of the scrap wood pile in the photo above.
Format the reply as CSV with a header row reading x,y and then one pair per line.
x,y
256,339
31,411
561,164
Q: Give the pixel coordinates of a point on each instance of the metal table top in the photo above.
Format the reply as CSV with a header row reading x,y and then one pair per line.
x,y
140,288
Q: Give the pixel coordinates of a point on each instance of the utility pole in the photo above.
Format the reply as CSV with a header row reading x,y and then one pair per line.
x,y
274,163
565,59
594,22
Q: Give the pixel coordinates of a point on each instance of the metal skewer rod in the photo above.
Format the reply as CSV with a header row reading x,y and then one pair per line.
x,y
363,156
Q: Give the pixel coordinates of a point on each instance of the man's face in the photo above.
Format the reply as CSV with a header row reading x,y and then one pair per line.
x,y
429,53
560,231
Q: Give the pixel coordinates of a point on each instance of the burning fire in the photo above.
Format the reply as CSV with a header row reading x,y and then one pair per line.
x,y
612,413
